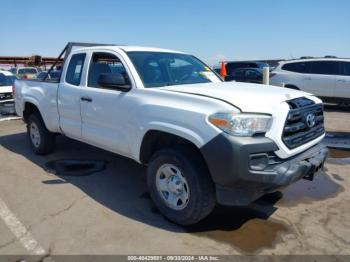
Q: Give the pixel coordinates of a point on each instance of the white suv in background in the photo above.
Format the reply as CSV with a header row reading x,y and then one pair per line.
x,y
327,78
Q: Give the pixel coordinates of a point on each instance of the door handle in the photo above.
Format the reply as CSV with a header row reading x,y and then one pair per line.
x,y
307,78
341,80
86,99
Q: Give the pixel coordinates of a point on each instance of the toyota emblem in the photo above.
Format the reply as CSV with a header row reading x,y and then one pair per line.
x,y
310,120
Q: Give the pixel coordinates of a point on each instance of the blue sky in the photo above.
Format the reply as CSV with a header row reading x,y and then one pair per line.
x,y
212,30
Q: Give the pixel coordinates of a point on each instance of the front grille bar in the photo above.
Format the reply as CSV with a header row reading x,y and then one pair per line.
x,y
297,129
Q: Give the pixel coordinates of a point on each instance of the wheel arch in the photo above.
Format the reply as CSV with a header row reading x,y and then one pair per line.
x,y
29,108
154,140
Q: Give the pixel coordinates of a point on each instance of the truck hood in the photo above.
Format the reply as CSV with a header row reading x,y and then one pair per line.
x,y
245,96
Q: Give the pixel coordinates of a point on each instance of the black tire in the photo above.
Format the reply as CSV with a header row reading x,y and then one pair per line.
x,y
47,139
202,198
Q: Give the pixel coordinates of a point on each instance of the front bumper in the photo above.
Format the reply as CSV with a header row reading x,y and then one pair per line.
x,y
245,168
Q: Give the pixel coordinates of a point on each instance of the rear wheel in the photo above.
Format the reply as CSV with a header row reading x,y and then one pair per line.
x,y
41,140
180,185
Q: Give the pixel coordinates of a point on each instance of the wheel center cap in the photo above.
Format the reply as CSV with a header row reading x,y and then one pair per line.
x,y
175,185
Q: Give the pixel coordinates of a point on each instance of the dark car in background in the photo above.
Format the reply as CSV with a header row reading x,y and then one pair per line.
x,y
250,75
232,66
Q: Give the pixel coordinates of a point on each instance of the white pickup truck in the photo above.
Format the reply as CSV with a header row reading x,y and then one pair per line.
x,y
204,141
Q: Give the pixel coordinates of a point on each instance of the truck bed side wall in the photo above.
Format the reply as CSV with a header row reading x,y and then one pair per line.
x,y
43,95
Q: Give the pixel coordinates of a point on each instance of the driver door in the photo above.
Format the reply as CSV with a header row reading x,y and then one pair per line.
x,y
104,112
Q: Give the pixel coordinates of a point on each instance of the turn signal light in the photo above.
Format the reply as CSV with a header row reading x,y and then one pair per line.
x,y
218,122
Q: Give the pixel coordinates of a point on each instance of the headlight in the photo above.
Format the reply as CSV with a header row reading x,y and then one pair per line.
x,y
241,124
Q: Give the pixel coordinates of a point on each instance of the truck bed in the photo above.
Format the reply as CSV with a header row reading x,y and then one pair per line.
x,y
39,92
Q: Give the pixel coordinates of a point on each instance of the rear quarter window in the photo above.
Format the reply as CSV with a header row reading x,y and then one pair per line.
x,y
75,69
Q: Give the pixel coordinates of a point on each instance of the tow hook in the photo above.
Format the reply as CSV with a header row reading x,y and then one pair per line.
x,y
313,170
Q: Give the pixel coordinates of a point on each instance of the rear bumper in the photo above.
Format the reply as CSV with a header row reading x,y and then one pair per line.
x,y
245,168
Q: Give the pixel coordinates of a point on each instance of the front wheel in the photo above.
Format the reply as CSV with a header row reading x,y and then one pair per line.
x,y
41,140
180,185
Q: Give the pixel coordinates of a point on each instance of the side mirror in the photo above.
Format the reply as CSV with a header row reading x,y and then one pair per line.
x,y
114,81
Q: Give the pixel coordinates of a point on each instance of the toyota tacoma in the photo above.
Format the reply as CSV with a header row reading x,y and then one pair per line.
x,y
204,141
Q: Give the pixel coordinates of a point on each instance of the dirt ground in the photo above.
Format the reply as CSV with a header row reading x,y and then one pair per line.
x,y
109,211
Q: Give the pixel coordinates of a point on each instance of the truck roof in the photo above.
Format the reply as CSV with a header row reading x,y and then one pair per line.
x,y
79,46
130,48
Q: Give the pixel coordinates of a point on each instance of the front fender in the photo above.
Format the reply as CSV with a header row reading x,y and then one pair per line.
x,y
180,131
186,133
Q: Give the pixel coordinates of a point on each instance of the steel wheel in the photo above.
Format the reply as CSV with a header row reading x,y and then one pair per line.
x,y
172,187
34,134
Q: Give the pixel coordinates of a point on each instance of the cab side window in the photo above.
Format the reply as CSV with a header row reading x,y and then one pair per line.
x,y
75,69
105,63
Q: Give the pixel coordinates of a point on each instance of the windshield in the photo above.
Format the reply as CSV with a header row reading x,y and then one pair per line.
x,y
27,71
6,80
158,69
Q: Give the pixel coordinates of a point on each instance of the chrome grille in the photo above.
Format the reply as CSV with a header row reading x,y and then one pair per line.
x,y
305,122
5,96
